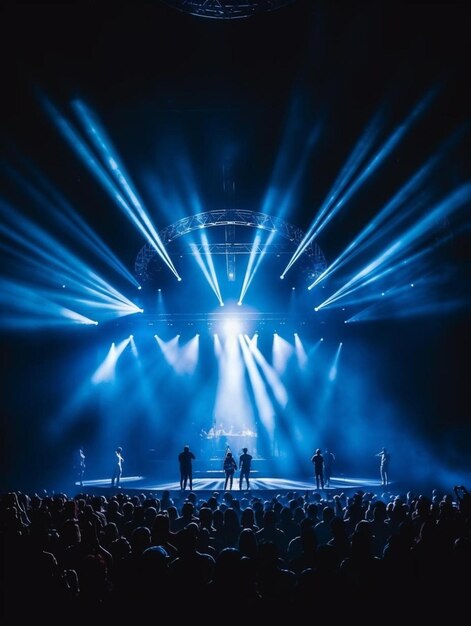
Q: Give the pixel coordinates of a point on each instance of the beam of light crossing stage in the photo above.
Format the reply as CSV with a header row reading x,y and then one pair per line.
x,y
313,349
212,271
271,376
233,404
188,358
451,204
184,358
397,271
89,160
107,297
254,341
55,264
145,381
300,351
264,406
326,213
64,213
169,349
348,171
419,298
294,149
107,304
24,307
408,310
262,254
103,177
289,198
166,198
206,272
334,369
104,146
248,272
282,351
132,343
280,196
372,232
106,371
403,198
178,197
217,346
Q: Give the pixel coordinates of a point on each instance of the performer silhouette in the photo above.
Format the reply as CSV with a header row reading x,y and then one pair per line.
x,y
79,465
186,459
329,460
118,467
229,467
245,463
384,459
318,460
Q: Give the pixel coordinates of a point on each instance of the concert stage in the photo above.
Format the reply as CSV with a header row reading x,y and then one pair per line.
x,y
257,485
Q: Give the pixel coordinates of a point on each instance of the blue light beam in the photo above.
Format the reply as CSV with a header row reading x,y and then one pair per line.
x,y
325,215
89,160
452,203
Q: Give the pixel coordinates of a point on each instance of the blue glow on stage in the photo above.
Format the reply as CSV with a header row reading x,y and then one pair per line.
x,y
257,485
236,234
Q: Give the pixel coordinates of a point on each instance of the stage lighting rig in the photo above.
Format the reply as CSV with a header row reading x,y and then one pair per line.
x,y
227,9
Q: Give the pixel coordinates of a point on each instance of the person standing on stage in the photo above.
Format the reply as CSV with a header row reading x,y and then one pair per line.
x,y
329,460
229,467
186,459
245,463
79,466
318,461
384,458
118,467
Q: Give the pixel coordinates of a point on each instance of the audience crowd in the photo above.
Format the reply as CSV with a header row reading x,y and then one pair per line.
x,y
90,556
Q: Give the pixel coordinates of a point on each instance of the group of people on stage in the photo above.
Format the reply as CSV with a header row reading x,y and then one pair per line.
x,y
79,466
323,465
229,467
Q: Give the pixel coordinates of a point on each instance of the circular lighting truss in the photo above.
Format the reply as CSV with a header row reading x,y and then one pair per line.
x,y
227,9
285,242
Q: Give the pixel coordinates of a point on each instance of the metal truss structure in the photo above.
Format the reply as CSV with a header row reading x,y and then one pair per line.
x,y
227,9
228,219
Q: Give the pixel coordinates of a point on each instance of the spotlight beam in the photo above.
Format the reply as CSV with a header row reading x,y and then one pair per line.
x,y
333,370
36,247
199,259
392,270
300,352
348,171
212,271
86,155
278,193
103,144
400,199
279,390
453,202
106,371
271,236
262,399
64,213
323,218
27,308
248,272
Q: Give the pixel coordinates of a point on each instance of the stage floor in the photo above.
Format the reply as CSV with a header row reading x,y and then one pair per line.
x,y
337,484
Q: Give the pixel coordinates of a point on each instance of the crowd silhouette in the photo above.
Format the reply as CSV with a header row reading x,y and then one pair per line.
x,y
100,556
